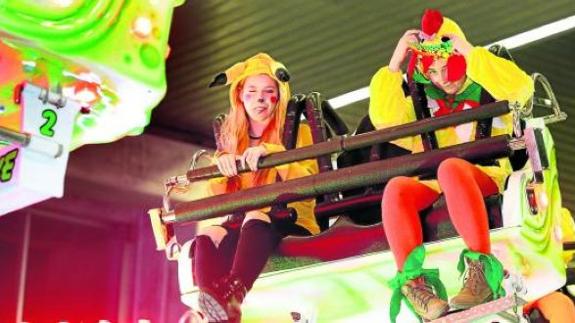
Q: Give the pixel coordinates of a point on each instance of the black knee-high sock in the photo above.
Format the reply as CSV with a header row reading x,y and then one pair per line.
x,y
227,249
256,243
207,262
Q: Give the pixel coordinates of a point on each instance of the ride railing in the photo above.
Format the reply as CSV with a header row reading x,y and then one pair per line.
x,y
362,175
371,173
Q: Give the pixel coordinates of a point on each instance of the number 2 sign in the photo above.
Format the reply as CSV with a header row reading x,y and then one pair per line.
x,y
34,172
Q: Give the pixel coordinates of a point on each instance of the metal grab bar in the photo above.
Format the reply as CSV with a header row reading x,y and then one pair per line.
x,y
37,144
549,102
340,144
338,180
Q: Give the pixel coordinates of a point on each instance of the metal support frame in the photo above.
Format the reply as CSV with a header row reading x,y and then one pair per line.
x,y
340,144
338,180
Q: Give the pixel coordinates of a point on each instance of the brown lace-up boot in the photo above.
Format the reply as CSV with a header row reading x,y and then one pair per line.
x,y
424,301
475,289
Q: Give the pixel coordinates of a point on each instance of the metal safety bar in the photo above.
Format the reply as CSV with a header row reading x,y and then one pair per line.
x,y
338,180
34,143
340,144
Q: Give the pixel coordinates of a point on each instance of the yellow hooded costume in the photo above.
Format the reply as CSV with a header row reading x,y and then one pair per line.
x,y
501,78
234,76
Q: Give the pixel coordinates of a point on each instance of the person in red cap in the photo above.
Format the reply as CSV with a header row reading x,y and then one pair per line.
x,y
455,76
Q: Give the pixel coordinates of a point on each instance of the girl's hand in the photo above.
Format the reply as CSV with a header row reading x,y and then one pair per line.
x,y
402,48
227,164
251,157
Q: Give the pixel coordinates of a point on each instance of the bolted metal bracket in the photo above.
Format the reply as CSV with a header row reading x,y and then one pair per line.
x,y
55,98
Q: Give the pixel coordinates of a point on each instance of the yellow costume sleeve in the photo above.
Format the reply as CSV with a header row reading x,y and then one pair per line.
x,y
388,106
296,169
305,208
217,185
500,77
504,80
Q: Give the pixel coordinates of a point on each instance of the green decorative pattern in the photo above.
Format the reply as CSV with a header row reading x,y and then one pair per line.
x,y
538,229
119,45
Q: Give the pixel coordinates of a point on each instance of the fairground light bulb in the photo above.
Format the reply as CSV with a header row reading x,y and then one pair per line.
x,y
142,26
86,93
542,199
63,3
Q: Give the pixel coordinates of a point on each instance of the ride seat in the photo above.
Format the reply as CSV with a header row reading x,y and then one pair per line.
x,y
346,238
360,230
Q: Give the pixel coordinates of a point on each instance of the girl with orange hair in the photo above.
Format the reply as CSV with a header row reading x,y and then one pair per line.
x,y
229,257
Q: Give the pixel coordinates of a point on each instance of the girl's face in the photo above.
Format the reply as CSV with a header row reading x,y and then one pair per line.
x,y
437,74
260,95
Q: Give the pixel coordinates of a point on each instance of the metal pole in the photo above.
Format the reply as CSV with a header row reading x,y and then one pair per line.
x,y
339,144
371,173
14,137
35,143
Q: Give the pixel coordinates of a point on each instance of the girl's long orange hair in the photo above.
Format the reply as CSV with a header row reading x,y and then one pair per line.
x,y
234,135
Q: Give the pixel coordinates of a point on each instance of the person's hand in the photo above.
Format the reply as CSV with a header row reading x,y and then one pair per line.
x,y
227,165
460,45
251,157
401,49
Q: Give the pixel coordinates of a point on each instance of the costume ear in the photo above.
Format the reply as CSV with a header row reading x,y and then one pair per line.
x,y
220,79
279,70
456,67
282,74
230,75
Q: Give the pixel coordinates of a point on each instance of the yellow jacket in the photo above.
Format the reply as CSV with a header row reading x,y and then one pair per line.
x,y
305,208
389,106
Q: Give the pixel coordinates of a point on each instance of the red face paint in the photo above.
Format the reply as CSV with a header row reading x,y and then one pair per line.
x,y
273,99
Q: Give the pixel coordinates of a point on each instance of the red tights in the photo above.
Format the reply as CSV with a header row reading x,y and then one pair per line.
x,y
464,186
